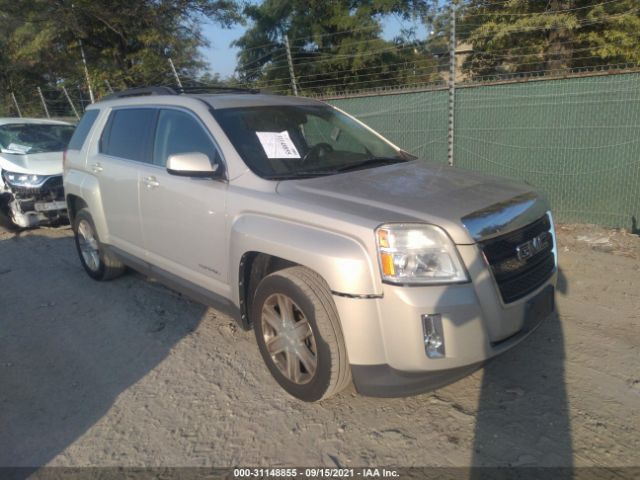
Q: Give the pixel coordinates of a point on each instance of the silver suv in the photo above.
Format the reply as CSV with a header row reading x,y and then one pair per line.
x,y
350,259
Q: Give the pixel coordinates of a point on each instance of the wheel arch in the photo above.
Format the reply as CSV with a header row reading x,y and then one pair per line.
x,y
84,192
261,245
75,203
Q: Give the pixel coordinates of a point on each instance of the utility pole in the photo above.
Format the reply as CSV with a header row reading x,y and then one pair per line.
x,y
175,73
106,82
73,107
86,71
452,80
82,105
44,104
15,102
290,61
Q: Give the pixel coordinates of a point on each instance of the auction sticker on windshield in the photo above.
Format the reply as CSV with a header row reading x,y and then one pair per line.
x,y
278,144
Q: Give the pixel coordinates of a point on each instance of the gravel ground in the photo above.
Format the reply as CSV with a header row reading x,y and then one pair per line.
x,y
128,373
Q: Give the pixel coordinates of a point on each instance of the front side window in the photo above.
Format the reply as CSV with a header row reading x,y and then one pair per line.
x,y
294,141
179,132
26,138
127,134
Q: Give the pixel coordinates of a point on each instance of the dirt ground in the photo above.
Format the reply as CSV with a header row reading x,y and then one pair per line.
x,y
129,373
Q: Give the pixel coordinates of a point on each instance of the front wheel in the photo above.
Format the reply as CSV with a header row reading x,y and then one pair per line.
x,y
99,263
299,334
6,221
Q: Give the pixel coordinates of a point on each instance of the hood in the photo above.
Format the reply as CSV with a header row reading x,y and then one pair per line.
x,y
470,206
49,163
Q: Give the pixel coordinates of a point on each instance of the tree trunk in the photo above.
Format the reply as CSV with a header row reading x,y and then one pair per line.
x,y
558,55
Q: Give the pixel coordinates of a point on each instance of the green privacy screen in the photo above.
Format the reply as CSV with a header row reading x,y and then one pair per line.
x,y
576,139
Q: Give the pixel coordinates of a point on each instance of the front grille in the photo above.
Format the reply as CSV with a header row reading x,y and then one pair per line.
x,y
517,277
53,182
51,190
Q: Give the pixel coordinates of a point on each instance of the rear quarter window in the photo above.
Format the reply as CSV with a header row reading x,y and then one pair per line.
x,y
82,130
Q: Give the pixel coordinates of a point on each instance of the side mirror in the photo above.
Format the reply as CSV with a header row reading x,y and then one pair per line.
x,y
192,164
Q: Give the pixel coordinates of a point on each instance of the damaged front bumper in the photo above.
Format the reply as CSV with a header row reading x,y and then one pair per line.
x,y
33,206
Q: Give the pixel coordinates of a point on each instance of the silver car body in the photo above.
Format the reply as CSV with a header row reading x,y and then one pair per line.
x,y
326,224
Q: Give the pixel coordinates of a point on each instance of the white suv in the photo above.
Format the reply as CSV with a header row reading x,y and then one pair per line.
x,y
351,260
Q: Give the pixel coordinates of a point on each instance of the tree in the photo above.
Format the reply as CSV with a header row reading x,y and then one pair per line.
x,y
126,42
335,45
530,35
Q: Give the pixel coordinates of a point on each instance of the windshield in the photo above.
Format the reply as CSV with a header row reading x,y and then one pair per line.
x,y
24,138
279,142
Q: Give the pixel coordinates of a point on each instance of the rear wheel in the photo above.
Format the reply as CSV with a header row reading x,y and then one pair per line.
x,y
299,335
99,263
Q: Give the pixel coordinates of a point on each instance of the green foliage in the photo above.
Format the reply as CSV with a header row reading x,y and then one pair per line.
x,y
532,35
126,42
334,45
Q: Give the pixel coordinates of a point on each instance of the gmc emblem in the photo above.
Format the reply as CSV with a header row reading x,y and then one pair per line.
x,y
535,245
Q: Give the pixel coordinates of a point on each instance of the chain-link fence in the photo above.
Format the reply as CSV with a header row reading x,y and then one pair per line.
x,y
576,139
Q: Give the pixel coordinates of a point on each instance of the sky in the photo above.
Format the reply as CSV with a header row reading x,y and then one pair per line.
x,y
222,58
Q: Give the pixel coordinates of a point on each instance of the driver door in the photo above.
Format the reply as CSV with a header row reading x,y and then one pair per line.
x,y
183,219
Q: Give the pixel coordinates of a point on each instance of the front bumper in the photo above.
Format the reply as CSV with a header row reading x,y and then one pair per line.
x,y
385,337
30,207
385,381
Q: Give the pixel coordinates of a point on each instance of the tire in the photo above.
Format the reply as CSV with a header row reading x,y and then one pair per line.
x,y
5,220
98,262
312,324
5,215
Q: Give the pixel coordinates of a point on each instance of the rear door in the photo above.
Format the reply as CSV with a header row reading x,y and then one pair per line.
x,y
125,144
184,219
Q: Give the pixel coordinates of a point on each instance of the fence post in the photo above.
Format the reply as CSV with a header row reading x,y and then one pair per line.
x,y
86,71
175,73
44,104
15,102
73,107
452,80
290,61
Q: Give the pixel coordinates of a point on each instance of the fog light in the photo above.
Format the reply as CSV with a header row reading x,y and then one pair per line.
x,y
433,335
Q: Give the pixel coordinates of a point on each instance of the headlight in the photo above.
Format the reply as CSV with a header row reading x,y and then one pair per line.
x,y
418,254
24,179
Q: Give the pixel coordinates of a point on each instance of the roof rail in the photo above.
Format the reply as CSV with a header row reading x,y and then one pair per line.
x,y
164,90
139,92
216,89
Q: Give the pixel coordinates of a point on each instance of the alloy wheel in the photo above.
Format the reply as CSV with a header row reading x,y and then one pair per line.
x,y
289,338
88,245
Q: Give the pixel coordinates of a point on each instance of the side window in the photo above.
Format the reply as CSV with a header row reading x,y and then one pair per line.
x,y
82,130
127,134
179,132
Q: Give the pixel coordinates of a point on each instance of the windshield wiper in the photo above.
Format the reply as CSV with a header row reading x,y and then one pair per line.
x,y
301,174
369,162
372,162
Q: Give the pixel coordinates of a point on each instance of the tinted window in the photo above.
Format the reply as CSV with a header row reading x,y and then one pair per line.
x,y
178,132
82,130
127,134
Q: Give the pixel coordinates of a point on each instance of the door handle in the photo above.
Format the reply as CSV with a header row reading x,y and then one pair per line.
x,y
150,182
96,167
